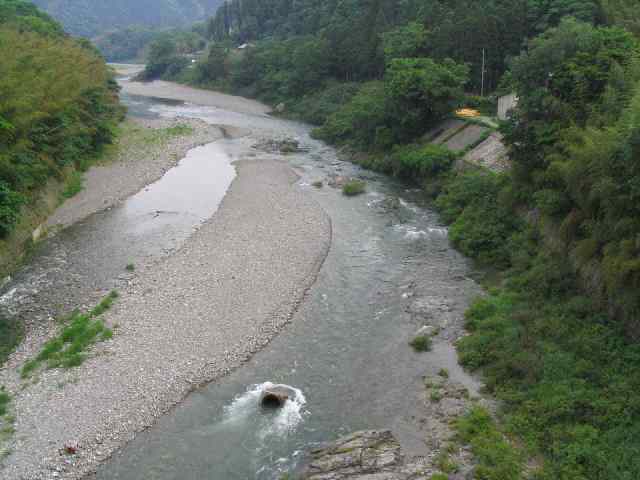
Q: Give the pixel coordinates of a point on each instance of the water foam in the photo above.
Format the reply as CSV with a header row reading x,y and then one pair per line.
x,y
279,423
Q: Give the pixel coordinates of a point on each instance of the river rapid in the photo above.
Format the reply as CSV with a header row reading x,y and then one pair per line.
x,y
390,271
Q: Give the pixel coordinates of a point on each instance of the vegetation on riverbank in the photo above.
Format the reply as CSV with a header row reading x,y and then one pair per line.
x,y
50,124
69,348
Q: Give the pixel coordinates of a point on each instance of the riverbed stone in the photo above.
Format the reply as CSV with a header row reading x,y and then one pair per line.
x,y
370,455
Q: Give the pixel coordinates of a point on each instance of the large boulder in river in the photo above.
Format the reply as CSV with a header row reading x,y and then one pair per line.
x,y
371,455
276,396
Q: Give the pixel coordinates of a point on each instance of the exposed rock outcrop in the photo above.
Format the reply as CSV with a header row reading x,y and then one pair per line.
x,y
370,455
365,455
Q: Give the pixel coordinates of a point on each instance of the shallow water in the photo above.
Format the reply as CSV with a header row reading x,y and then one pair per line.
x,y
389,272
90,257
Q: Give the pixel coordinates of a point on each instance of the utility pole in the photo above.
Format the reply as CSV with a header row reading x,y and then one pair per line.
x,y
483,64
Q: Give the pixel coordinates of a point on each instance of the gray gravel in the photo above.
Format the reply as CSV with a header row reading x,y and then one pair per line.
x,y
172,91
186,321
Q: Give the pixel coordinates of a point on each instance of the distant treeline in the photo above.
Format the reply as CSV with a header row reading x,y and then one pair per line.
x,y
93,18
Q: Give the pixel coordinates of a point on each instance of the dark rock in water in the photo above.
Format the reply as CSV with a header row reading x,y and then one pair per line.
x,y
275,397
370,455
287,145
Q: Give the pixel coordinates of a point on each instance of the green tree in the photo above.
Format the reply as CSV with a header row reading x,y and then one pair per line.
x,y
421,92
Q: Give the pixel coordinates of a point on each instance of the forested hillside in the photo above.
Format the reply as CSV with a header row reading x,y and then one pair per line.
x,y
558,335
58,105
91,18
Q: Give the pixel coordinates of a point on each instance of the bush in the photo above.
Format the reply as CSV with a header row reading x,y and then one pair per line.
x,y
354,187
316,108
420,162
360,121
496,458
422,343
481,224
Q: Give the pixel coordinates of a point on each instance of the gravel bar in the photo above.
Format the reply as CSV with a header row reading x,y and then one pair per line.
x,y
181,323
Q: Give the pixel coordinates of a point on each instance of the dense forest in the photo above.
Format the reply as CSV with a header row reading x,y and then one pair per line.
x,y
91,18
557,337
53,121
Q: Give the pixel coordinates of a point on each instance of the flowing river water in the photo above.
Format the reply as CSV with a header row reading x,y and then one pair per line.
x,y
390,271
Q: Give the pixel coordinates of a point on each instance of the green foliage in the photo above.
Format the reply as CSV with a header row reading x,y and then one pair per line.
x,y
69,348
125,44
496,458
421,162
25,16
421,343
354,187
421,92
163,60
414,95
11,332
49,121
574,142
5,400
405,41
74,185
481,223
439,476
568,378
361,121
317,107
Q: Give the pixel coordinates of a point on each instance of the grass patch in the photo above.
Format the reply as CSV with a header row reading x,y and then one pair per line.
x,y
439,476
179,130
354,187
496,458
73,186
436,395
444,373
444,463
130,267
69,348
422,343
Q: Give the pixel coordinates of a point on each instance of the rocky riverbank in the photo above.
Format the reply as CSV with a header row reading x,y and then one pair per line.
x,y
378,454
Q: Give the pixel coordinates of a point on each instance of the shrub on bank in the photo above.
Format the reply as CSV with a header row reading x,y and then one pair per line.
x,y
421,343
49,123
482,225
569,380
354,187
419,162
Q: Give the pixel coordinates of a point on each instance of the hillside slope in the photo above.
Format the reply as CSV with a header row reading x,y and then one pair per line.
x,y
91,17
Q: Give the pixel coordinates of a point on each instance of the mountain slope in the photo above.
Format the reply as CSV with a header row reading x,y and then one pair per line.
x,y
91,17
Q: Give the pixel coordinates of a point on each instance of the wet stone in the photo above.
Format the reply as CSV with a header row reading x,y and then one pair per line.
x,y
370,455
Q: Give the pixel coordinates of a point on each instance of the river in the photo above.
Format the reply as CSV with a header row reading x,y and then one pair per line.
x,y
390,271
